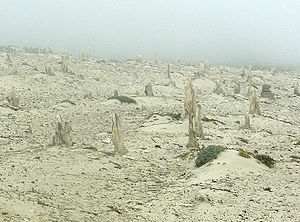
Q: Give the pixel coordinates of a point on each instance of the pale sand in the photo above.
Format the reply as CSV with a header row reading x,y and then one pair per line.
x,y
151,182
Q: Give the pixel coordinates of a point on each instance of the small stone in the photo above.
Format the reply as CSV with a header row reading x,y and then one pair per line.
x,y
296,90
266,92
107,140
149,90
268,189
266,87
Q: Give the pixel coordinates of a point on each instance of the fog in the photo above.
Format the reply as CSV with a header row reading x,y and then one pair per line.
x,y
225,32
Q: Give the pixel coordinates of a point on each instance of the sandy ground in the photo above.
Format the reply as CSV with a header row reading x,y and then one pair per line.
x,y
156,180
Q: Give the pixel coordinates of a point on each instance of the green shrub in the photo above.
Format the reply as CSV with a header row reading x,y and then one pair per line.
x,y
208,154
244,153
265,159
123,99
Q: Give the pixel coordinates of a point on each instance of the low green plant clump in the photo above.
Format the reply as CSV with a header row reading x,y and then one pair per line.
x,y
244,153
265,159
262,158
123,99
208,154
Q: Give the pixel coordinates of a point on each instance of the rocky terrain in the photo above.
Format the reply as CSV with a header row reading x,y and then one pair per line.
x,y
156,179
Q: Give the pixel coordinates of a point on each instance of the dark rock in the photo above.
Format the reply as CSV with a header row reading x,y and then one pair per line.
x,y
266,92
266,88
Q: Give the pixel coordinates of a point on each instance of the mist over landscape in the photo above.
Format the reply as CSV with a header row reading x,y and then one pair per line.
x,y
234,33
149,111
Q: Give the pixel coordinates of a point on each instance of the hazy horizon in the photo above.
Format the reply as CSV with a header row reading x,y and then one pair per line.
x,y
235,33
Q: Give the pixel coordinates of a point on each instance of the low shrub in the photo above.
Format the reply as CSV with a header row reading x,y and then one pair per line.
x,y
208,154
265,159
244,153
123,99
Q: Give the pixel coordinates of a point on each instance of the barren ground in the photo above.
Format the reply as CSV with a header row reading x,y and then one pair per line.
x,y
156,180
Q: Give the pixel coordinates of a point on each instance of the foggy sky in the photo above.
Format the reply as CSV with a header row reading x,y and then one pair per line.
x,y
223,31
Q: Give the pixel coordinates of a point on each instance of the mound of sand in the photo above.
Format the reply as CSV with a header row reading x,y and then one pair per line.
x,y
227,163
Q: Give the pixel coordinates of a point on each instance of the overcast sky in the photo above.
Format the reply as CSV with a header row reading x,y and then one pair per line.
x,y
223,31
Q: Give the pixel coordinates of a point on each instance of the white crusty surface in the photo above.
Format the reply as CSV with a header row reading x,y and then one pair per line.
x,y
153,181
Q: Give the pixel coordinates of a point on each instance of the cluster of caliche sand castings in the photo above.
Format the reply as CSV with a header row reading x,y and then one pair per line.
x,y
85,139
